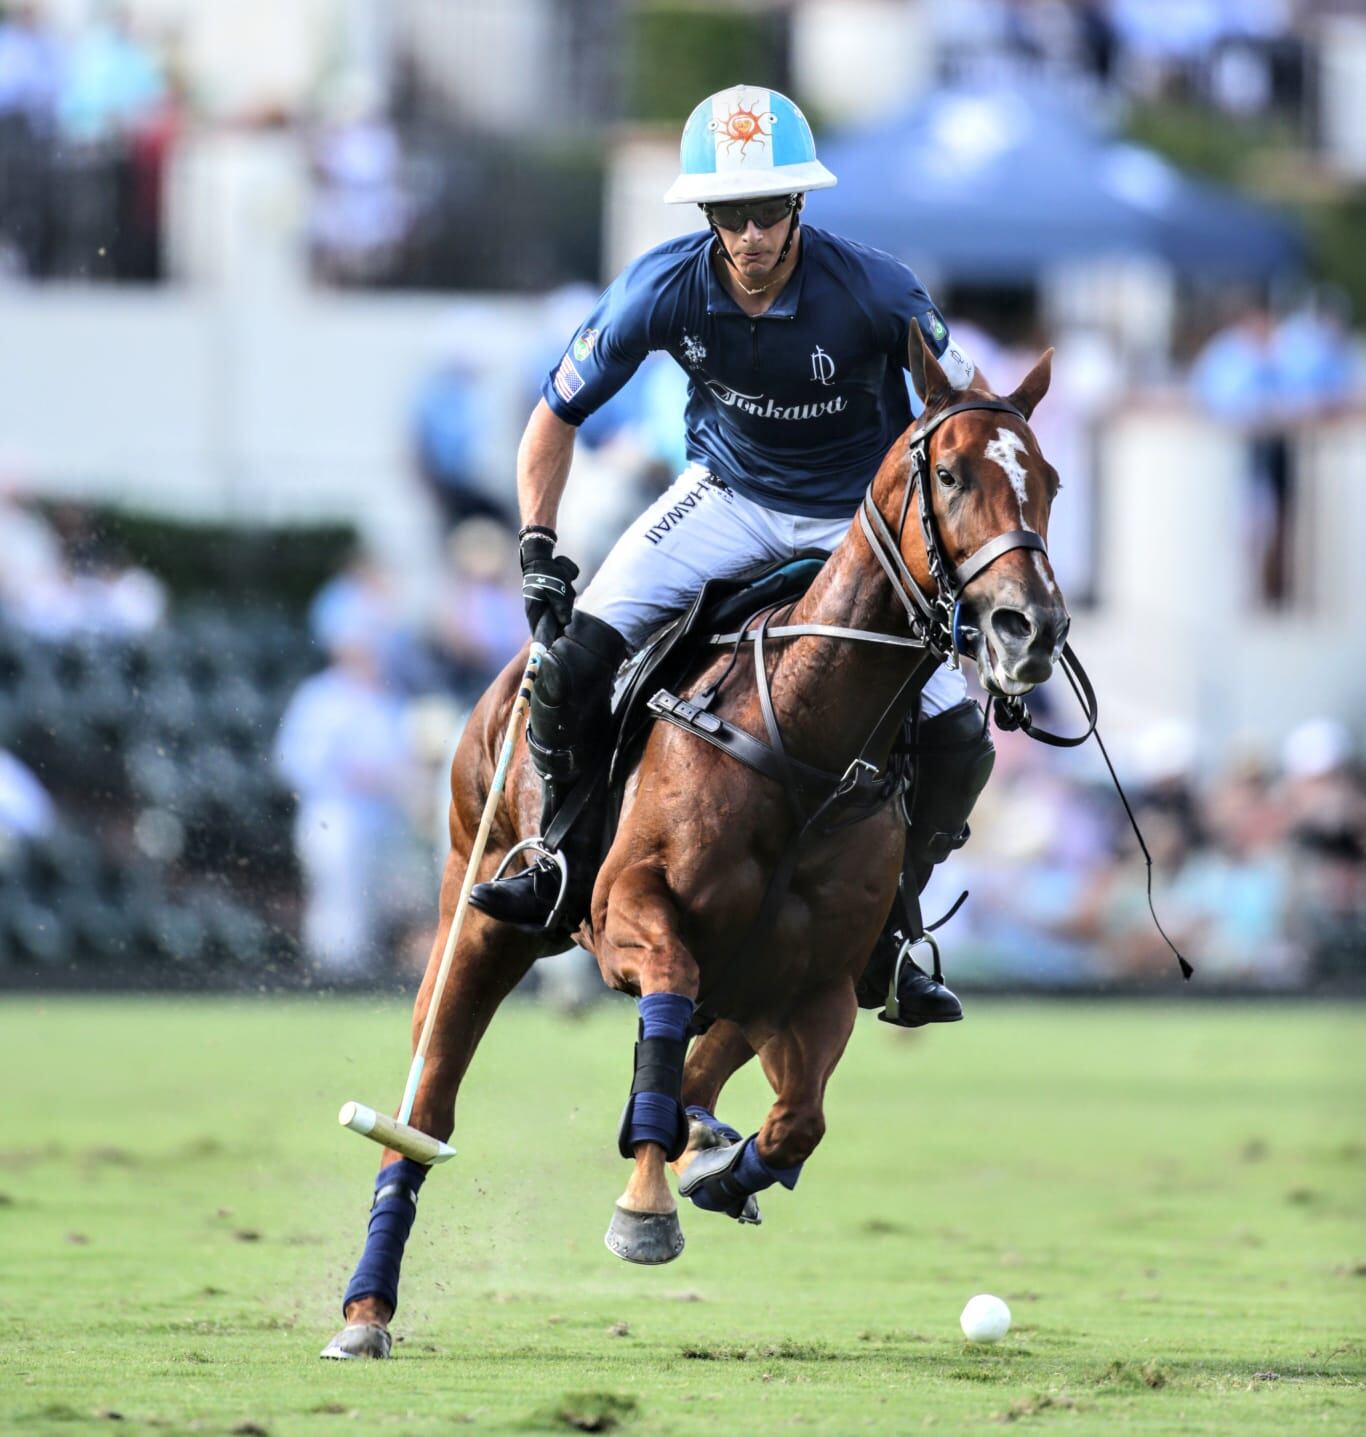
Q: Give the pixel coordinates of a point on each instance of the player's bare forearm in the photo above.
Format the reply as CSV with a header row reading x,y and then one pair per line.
x,y
543,465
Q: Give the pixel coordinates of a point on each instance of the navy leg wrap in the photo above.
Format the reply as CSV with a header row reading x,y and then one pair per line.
x,y
653,1112
665,1015
754,1174
391,1220
746,1173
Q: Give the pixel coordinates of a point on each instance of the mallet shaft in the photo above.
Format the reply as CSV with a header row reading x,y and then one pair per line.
x,y
481,838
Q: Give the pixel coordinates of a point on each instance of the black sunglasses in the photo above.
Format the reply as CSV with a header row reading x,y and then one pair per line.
x,y
764,213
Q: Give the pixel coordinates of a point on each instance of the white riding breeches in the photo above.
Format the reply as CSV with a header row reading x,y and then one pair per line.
x,y
699,529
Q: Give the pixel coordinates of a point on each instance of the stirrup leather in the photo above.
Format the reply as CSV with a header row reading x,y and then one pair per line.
x,y
536,844
891,1011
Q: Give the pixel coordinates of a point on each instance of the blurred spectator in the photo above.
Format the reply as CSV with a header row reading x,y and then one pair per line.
x,y
448,417
361,214
30,77
1314,357
1237,378
343,748
30,72
111,81
1324,803
56,585
362,597
1265,375
26,810
480,622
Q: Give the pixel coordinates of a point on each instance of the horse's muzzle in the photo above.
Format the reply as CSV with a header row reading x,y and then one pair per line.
x,y
1017,647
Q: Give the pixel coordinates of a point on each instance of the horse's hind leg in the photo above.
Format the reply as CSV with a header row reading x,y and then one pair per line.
x,y
798,1061
489,962
641,950
714,1058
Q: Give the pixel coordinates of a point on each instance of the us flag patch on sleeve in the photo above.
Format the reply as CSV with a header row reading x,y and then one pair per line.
x,y
568,381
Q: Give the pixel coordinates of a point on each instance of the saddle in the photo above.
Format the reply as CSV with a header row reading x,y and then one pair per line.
x,y
720,605
664,662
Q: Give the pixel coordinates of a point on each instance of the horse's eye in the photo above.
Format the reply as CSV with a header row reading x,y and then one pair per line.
x,y
946,478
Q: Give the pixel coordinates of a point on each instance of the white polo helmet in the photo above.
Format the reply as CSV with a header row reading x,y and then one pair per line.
x,y
746,142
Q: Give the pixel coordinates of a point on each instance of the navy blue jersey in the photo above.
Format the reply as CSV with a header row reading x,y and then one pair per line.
x,y
796,408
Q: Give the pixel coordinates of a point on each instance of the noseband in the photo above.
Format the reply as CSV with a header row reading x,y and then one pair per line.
x,y
935,617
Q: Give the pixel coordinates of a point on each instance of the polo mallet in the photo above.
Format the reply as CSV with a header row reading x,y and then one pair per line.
x,y
397,1133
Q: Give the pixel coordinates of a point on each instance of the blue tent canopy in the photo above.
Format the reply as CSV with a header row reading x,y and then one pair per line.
x,y
998,187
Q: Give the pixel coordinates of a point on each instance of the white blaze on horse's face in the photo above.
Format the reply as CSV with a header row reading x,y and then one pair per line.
x,y
1005,450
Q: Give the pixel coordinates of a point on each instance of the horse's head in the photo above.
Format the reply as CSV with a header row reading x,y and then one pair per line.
x,y
983,476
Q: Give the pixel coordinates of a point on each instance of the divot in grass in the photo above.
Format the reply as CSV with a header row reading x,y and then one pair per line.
x,y
593,1411
1032,1406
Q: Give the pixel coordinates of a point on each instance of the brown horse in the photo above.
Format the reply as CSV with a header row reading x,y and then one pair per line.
x,y
700,836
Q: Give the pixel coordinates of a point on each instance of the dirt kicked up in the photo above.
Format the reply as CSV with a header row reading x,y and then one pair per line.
x,y
1168,1196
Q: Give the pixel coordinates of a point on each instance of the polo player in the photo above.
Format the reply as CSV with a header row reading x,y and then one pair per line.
x,y
794,342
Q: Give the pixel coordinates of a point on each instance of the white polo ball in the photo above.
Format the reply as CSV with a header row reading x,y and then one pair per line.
x,y
985,1319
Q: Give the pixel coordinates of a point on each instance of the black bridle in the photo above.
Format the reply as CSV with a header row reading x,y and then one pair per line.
x,y
937,617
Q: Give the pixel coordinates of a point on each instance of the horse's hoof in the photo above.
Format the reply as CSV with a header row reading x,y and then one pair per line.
x,y
650,1238
359,1339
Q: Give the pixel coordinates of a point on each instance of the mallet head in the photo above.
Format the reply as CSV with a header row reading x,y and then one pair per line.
x,y
389,1133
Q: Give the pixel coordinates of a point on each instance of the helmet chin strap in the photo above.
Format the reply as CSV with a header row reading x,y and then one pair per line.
x,y
782,254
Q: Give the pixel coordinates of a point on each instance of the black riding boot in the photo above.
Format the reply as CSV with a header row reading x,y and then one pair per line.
x,y
954,760
570,707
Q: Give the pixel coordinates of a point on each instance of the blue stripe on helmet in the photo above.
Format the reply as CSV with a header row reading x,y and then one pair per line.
x,y
697,154
792,142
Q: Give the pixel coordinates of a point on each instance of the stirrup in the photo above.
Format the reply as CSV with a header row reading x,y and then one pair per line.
x,y
891,1009
537,845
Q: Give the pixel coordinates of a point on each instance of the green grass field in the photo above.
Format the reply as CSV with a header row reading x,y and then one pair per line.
x,y
1170,1199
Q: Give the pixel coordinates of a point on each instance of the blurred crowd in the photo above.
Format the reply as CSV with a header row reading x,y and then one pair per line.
x,y
1242,56
87,119
1258,864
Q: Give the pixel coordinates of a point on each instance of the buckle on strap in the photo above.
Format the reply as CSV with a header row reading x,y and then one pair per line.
x,y
685,712
858,772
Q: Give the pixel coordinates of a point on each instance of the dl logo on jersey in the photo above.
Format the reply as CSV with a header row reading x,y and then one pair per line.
x,y
822,367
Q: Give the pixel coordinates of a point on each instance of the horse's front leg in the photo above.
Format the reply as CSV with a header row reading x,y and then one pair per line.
x,y
642,952
798,1061
490,960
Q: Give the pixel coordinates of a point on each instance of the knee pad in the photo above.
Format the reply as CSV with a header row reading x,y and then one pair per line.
x,y
954,759
569,701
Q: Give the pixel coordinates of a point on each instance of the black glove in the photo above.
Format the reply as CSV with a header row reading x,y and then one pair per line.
x,y
547,583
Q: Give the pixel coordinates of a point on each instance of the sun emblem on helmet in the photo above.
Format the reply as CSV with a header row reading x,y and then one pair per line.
x,y
745,126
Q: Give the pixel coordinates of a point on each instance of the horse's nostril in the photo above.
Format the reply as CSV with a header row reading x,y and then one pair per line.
x,y
1011,627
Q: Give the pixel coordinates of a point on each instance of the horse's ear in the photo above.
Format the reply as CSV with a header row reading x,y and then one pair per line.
x,y
1034,386
930,381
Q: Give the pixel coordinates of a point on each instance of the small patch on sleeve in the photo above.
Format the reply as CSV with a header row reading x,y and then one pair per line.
x,y
936,331
568,381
